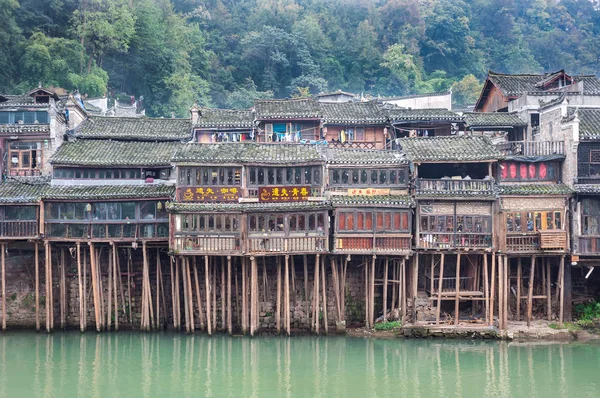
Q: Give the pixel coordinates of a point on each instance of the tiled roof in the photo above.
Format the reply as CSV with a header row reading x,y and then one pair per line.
x,y
134,128
535,189
456,194
397,114
339,156
514,85
449,149
24,129
21,192
383,200
115,153
338,92
223,118
589,123
100,192
246,207
493,119
301,108
592,189
434,94
20,101
247,152
353,113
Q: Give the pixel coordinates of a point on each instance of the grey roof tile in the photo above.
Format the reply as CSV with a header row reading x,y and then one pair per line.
x,y
134,128
517,84
493,119
353,113
115,153
589,123
592,189
535,189
225,118
398,115
339,156
301,108
449,149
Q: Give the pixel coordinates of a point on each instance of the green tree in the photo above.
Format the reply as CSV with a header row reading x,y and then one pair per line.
x,y
10,37
243,97
466,91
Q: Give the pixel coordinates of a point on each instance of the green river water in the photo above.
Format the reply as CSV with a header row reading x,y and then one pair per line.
x,y
165,365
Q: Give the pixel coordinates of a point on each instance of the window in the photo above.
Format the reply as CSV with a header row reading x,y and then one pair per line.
x,y
362,221
216,176
28,117
464,224
19,213
368,178
24,155
308,175
526,171
533,221
590,212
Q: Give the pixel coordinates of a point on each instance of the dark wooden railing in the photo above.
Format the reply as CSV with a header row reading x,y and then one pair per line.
x,y
516,243
454,241
589,245
383,244
448,284
304,244
146,230
207,244
532,148
425,186
18,229
24,172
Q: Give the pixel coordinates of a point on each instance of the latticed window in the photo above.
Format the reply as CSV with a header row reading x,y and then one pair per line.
x,y
588,162
590,214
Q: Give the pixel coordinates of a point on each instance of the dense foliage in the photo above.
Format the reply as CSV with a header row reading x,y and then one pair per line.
x,y
228,52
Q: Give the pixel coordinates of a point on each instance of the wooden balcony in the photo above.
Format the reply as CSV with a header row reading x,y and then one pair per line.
x,y
206,244
540,241
359,243
24,172
18,229
532,148
281,244
450,241
589,245
467,187
108,231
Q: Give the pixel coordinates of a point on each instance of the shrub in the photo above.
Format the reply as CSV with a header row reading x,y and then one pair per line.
x,y
388,325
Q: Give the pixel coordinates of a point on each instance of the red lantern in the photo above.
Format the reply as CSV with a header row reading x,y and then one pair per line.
x,y
532,170
523,171
504,171
513,170
542,170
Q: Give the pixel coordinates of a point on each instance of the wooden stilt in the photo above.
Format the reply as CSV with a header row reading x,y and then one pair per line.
x,y
343,289
324,282
372,294
519,276
37,286
562,290
286,304
244,299
506,289
530,294
158,272
223,301
548,291
439,290
100,288
186,298
213,290
403,292
3,248
278,299
385,288
431,273
336,287
190,294
63,292
198,296
501,292
493,289
96,294
174,309
109,288
486,288
395,285
367,291
85,297
116,278
414,287
293,277
207,287
316,299
457,298
253,294
306,292
229,315
129,266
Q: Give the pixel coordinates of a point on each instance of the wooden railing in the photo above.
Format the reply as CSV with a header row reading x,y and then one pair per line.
x,y
532,148
359,145
589,245
425,186
207,244
24,172
355,244
448,284
304,244
146,230
455,241
522,242
18,229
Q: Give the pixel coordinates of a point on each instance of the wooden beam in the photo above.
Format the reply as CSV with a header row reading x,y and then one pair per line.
x,y
116,278
316,295
278,299
486,288
286,303
207,287
198,296
457,299
81,297
562,290
3,248
530,294
385,286
324,280
94,285
229,315
519,273
37,286
439,291
493,289
548,290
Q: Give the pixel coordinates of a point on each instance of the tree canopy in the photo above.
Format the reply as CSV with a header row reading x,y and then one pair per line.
x,y
226,53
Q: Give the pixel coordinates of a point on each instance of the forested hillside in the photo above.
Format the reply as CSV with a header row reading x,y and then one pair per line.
x,y
225,53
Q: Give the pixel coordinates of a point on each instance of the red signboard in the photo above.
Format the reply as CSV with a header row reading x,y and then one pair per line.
x,y
283,194
210,194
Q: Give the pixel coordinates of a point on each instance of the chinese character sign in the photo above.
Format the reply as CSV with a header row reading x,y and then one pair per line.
x,y
283,194
368,191
210,194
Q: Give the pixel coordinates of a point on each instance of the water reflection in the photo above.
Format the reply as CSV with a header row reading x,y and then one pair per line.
x,y
150,365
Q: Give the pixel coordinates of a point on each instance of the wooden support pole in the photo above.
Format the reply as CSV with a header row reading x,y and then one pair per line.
x,y
207,287
562,290
213,287
415,287
501,292
37,286
293,278
457,298
190,294
372,294
336,287
493,289
109,288
506,289
198,296
62,290
254,295
395,286
116,279
385,287
158,290
223,300
316,299
287,295
530,294
519,277
244,298
186,301
174,309
229,315
324,289
3,248
95,286
81,297
129,285
85,297
402,297
343,301
486,288
439,290
548,291
278,299
100,288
